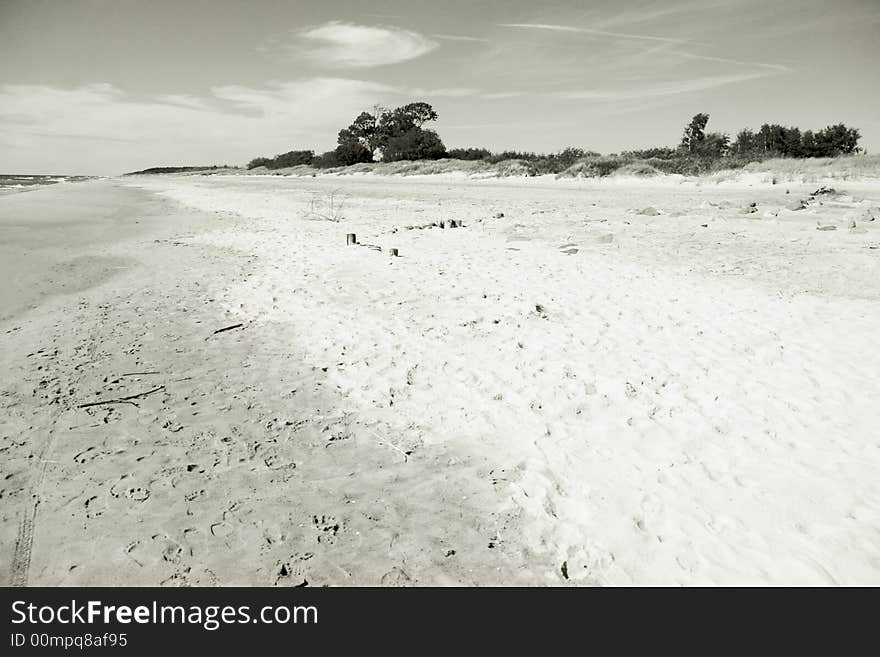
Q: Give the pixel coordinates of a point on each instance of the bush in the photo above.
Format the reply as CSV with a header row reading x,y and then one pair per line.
x,y
469,154
352,152
327,160
291,159
414,144
556,163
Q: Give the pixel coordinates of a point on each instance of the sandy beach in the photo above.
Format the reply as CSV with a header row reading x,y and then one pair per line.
x,y
587,383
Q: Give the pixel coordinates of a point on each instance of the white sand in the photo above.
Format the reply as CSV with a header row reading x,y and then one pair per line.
x,y
689,405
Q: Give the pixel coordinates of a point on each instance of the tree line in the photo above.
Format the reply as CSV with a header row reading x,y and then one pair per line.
x,y
392,135
770,140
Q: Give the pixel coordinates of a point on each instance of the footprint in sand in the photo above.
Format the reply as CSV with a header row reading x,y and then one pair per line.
x,y
87,455
293,572
95,507
127,488
327,526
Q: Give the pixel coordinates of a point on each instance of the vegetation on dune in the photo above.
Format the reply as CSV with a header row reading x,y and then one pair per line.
x,y
155,170
399,135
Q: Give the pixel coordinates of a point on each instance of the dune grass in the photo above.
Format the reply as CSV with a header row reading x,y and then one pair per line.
x,y
718,170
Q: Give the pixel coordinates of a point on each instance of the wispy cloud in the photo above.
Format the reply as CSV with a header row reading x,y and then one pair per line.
x,y
348,45
458,37
659,12
659,90
724,60
449,92
584,30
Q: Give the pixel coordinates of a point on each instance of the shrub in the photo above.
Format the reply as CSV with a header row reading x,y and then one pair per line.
x,y
291,159
469,153
327,160
352,152
414,144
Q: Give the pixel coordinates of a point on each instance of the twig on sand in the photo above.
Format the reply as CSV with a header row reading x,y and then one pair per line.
x,y
384,441
123,400
139,373
227,328
334,208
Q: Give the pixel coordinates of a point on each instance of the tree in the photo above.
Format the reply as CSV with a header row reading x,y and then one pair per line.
x,y
745,143
694,133
292,159
364,129
791,142
351,151
373,132
713,144
838,140
414,144
405,118
808,144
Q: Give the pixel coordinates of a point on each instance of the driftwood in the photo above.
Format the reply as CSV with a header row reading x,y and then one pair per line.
x,y
123,400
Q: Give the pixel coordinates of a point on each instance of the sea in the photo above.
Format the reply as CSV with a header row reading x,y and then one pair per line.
x,y
12,183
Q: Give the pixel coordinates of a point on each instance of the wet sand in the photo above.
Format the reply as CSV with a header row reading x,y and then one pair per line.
x,y
59,239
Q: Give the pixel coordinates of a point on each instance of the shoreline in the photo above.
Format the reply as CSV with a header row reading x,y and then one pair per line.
x,y
56,241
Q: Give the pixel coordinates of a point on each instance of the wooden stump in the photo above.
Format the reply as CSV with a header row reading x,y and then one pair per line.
x,y
350,239
393,252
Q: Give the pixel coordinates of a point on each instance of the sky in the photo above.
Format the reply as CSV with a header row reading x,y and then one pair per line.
x,y
108,86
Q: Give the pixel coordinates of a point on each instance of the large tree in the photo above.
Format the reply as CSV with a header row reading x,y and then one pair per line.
x,y
396,134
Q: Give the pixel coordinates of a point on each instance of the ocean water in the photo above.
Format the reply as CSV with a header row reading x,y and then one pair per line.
x,y
11,183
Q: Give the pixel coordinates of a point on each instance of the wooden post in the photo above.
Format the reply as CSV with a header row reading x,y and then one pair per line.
x,y
393,252
350,239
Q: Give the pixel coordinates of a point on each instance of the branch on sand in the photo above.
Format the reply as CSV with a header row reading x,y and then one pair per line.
x,y
123,400
227,328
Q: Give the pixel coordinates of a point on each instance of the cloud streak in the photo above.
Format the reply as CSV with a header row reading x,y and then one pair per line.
x,y
459,37
659,90
584,30
347,45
